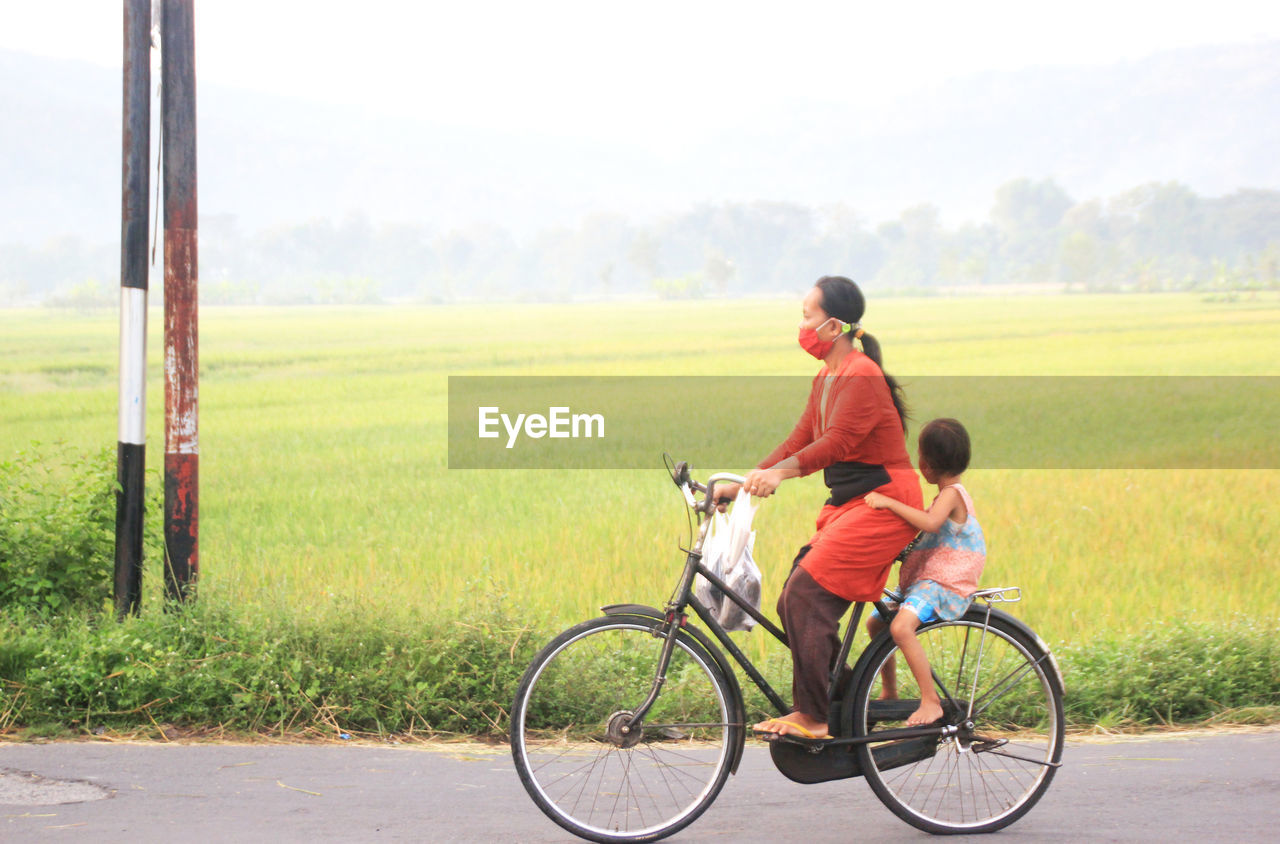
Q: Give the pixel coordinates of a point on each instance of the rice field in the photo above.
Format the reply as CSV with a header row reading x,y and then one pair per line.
x,y
324,462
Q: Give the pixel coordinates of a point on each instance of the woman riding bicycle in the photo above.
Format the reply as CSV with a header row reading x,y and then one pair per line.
x,y
853,428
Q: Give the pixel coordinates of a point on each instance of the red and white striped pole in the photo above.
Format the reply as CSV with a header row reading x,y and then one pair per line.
x,y
134,211
181,314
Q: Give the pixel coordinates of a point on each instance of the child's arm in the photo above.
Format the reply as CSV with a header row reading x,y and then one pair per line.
x,y
929,521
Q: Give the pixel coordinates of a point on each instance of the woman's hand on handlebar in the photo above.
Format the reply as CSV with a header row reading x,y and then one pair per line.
x,y
762,482
759,482
726,491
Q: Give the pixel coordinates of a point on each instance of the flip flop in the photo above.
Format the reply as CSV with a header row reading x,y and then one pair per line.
x,y
800,734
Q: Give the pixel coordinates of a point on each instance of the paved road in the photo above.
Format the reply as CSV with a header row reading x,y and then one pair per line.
x,y
1222,787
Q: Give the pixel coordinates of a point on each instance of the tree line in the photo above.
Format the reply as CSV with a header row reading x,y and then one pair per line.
x,y
1158,236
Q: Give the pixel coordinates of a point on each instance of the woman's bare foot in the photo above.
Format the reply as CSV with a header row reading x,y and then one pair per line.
x,y
929,711
888,695
795,724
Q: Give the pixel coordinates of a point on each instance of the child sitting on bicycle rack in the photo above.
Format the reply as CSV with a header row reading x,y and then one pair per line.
x,y
940,574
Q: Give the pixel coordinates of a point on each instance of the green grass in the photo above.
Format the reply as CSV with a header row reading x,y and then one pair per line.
x,y
323,453
288,674
365,669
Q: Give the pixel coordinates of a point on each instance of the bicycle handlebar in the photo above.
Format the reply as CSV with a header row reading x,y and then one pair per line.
x,y
680,475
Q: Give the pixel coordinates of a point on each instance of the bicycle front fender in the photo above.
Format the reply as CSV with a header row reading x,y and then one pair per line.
x,y
716,655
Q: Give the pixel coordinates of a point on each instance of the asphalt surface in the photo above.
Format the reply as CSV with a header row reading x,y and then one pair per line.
x,y
1201,787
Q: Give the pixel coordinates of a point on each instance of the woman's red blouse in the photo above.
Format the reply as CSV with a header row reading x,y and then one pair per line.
x,y
856,422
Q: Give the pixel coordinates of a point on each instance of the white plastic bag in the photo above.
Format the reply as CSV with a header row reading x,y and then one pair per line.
x,y
713,555
727,553
745,581
740,533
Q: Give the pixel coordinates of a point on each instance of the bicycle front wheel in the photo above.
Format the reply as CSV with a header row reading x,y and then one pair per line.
x,y
581,763
1000,691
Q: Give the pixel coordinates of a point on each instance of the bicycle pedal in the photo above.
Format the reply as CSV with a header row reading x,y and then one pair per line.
x,y
983,745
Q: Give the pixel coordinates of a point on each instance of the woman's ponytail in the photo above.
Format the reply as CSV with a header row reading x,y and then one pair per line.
x,y
842,299
871,348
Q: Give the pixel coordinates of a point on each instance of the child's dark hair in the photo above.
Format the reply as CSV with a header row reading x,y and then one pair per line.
x,y
842,299
945,444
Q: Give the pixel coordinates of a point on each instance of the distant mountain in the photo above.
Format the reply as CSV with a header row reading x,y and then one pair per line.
x,y
1206,117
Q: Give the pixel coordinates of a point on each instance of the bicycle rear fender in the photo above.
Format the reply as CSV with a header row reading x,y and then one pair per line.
x,y
717,657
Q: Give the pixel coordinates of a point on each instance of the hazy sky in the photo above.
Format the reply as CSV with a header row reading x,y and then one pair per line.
x,y
645,71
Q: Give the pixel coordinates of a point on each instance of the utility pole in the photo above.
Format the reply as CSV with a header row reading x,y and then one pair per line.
x,y
181,313
134,213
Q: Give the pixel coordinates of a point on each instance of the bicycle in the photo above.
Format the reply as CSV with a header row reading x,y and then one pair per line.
x,y
625,727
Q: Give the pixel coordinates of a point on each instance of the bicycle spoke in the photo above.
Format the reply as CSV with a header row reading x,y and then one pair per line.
x,y
964,652
624,788
946,774
603,755
573,772
667,781
690,759
1021,672
1021,758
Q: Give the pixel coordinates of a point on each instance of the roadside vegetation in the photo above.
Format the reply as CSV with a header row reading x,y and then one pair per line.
x,y
352,584
358,670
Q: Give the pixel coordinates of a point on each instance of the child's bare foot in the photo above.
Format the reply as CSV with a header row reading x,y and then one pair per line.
x,y
795,724
888,695
929,711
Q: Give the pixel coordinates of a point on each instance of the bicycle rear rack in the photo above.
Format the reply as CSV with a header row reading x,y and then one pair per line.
x,y
999,595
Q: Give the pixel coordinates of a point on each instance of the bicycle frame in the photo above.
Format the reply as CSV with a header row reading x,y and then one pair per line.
x,y
675,618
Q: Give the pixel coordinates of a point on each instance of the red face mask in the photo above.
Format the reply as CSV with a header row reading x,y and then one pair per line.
x,y
813,344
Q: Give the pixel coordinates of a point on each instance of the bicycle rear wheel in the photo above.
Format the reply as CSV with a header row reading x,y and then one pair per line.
x,y
573,757
1006,703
